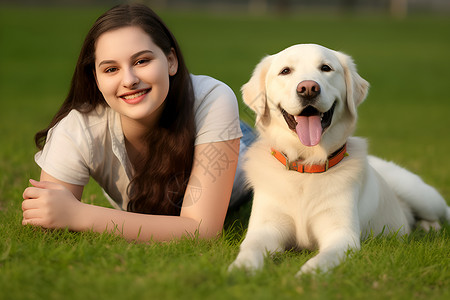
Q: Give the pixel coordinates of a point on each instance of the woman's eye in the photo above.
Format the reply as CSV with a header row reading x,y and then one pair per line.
x,y
285,71
326,68
111,70
142,61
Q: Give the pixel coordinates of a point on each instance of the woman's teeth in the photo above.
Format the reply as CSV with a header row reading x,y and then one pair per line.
x,y
129,97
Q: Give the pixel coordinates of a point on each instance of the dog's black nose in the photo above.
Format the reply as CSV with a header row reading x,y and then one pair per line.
x,y
308,89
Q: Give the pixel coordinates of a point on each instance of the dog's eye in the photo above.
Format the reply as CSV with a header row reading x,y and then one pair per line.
x,y
325,68
285,71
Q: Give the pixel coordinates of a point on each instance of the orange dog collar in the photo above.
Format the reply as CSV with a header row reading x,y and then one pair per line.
x,y
333,160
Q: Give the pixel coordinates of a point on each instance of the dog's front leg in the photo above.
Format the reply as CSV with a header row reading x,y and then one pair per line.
x,y
335,235
332,253
258,243
269,230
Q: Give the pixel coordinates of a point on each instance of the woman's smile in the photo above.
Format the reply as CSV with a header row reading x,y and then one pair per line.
x,y
135,97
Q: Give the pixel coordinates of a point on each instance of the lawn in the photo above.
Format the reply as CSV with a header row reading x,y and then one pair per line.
x,y
405,119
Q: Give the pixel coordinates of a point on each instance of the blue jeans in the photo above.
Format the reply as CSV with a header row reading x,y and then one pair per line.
x,y
241,191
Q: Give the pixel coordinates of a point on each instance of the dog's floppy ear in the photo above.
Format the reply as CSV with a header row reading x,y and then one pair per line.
x,y
357,87
254,91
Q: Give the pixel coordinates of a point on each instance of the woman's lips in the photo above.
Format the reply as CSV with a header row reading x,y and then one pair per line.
x,y
136,97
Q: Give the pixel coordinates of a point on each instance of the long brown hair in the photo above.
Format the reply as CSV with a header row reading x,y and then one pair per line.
x,y
162,174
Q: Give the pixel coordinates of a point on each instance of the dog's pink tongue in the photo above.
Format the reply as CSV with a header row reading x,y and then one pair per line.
x,y
309,130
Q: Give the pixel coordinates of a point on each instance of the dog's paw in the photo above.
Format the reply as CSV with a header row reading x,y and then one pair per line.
x,y
306,269
316,265
249,262
427,225
237,265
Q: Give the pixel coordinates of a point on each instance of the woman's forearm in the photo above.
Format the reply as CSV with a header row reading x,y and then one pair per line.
x,y
52,205
135,226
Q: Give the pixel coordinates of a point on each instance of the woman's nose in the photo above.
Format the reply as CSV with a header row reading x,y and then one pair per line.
x,y
130,79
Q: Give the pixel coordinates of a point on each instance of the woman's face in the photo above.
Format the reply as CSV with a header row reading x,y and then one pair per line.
x,y
133,73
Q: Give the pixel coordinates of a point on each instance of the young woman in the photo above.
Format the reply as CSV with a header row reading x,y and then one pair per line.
x,y
162,143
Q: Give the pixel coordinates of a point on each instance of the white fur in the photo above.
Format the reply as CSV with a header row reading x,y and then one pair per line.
x,y
329,211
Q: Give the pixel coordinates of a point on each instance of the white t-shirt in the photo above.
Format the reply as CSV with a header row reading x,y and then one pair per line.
x,y
84,145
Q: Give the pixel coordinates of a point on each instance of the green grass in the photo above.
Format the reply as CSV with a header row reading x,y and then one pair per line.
x,y
405,119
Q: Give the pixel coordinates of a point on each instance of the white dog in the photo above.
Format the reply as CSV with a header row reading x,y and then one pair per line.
x,y
314,185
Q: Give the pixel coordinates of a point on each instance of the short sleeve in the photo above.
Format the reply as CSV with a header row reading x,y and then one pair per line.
x,y
66,152
216,111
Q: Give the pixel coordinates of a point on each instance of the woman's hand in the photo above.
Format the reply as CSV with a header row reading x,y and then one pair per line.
x,y
50,205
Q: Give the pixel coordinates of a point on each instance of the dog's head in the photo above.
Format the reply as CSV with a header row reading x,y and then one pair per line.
x,y
307,92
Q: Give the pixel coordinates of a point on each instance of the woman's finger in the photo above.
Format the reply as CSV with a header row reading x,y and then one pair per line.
x,y
32,193
31,214
46,185
39,187
35,222
30,204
